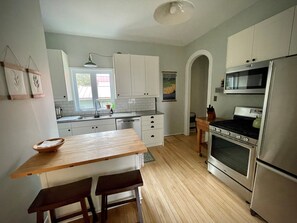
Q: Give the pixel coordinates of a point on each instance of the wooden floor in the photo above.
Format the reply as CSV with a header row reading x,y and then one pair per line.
x,y
178,188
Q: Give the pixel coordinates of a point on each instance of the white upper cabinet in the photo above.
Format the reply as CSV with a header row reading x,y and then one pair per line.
x,y
122,75
143,79
138,75
266,40
272,36
293,46
239,49
152,76
60,76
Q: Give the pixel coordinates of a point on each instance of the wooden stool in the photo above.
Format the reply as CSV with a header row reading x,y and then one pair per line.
x,y
117,183
49,199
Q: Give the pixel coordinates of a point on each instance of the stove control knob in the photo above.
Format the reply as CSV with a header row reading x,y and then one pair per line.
x,y
227,133
237,137
245,139
218,130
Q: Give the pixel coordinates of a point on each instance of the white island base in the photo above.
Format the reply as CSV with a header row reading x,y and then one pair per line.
x,y
94,170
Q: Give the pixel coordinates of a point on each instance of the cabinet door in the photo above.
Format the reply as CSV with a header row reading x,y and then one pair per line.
x,y
239,48
152,77
122,75
83,130
60,78
272,36
138,75
65,132
293,44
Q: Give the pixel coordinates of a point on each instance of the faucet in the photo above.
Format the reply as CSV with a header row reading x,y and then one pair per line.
x,y
97,106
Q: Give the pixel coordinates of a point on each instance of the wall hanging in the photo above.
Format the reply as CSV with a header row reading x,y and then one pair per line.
x,y
14,78
35,80
169,86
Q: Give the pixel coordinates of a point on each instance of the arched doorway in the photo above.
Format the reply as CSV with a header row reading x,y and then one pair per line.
x,y
188,74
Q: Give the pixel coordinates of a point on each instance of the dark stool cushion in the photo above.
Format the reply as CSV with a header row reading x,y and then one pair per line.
x,y
116,183
58,196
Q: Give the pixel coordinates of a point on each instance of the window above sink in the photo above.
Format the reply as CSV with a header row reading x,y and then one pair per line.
x,y
91,84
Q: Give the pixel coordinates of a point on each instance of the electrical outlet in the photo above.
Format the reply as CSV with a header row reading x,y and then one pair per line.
x,y
215,98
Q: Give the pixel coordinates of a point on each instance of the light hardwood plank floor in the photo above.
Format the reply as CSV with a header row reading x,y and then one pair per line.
x,y
178,188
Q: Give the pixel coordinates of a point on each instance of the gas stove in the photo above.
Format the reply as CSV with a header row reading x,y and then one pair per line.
x,y
240,128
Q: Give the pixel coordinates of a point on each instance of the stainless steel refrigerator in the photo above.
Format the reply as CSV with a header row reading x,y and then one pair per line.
x,y
274,195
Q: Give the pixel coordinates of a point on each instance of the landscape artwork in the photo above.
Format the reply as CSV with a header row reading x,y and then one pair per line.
x,y
169,86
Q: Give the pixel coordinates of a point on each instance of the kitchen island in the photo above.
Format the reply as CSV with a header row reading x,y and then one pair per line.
x,y
88,155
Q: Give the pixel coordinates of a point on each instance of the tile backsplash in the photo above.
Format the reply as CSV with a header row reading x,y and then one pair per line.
x,y
121,105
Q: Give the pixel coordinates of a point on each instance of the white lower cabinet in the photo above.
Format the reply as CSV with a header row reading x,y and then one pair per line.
x,y
64,129
152,127
85,127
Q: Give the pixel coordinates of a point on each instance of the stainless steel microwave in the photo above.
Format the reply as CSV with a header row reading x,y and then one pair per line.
x,y
247,79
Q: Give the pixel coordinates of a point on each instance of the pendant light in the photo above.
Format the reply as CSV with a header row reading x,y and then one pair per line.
x,y
90,62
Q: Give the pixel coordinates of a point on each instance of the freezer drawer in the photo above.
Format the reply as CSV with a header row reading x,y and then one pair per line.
x,y
275,195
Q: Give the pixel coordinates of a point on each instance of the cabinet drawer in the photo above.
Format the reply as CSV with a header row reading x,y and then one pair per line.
x,y
152,126
153,137
152,119
93,123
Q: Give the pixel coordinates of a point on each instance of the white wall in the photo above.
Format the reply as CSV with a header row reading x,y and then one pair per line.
x,y
199,80
23,122
215,42
171,59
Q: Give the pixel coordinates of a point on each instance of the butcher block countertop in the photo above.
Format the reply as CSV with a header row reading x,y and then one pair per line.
x,y
83,149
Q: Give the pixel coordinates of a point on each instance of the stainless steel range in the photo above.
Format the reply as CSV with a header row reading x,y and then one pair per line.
x,y
232,150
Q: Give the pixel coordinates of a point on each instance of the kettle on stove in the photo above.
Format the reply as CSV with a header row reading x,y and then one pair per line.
x,y
257,122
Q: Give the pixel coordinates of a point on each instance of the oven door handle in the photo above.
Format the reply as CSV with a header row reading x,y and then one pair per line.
x,y
247,146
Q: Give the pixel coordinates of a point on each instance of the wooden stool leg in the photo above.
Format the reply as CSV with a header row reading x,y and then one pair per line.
x,y
39,217
138,205
53,216
103,203
92,208
84,210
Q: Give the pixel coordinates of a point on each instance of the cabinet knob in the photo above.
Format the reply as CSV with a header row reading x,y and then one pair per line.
x,y
93,127
254,59
118,94
152,116
69,130
152,136
247,61
152,126
64,96
144,93
96,127
152,122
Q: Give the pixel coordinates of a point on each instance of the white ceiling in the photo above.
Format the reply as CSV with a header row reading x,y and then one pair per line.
x,y
133,19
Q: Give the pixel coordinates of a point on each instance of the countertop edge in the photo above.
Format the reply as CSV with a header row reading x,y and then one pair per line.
x,y
133,114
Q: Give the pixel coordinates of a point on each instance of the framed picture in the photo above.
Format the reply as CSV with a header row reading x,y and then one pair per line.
x,y
15,80
169,86
3,86
35,83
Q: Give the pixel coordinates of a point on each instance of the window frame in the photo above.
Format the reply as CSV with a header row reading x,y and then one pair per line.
x,y
92,72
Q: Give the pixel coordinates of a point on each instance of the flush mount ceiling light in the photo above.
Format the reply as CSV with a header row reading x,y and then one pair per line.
x,y
90,62
174,12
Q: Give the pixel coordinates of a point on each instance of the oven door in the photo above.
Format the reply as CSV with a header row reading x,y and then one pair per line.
x,y
233,158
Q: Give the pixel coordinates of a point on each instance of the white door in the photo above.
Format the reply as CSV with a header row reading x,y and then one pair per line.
x,y
239,48
138,75
122,75
152,78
